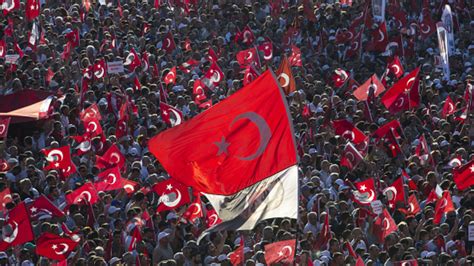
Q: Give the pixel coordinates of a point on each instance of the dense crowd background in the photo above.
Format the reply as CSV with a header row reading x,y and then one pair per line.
x,y
111,30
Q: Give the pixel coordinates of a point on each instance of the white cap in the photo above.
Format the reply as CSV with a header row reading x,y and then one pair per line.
x,y
427,254
113,209
162,235
171,215
114,260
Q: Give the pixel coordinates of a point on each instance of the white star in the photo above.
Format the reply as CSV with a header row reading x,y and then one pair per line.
x,y
56,164
33,209
169,187
363,188
54,246
280,253
165,112
472,169
390,205
222,145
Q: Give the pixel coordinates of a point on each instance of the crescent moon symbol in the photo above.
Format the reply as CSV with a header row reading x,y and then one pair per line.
x,y
198,209
286,78
9,7
115,156
84,194
450,108
129,59
263,128
348,134
410,81
290,251
165,199
85,146
13,236
214,219
363,198
216,76
381,35
351,36
55,156
168,43
246,38
444,203
350,154
400,102
356,45
411,207
397,69
1,50
94,126
423,29
129,187
249,55
114,179
178,117
390,192
199,90
267,57
388,223
64,250
100,73
2,129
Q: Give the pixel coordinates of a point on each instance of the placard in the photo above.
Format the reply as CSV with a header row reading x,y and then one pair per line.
x,y
470,234
377,206
115,67
11,58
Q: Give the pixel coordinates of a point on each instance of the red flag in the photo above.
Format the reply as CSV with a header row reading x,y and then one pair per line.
x,y
463,176
308,10
187,45
10,5
132,60
213,76
395,67
322,239
295,57
92,126
285,76
443,206
412,262
212,218
250,75
380,38
382,131
247,36
91,112
395,192
85,193
73,38
427,25
129,185
109,179
16,228
198,91
172,116
362,93
247,57
188,66
4,165
5,197
121,129
206,104
136,236
168,43
365,192
282,251
348,131
3,48
448,107
4,123
170,77
32,9
112,157
267,49
350,157
339,77
384,225
172,195
355,47
237,256
18,49
351,250
212,56
42,208
413,206
59,158
359,261
100,69
66,52
54,247
216,136
404,94
422,151
194,211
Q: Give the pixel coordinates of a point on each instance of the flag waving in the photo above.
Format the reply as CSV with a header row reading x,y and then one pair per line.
x,y
282,251
228,153
55,247
16,229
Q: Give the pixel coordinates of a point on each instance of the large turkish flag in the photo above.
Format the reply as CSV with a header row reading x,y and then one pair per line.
x,y
233,145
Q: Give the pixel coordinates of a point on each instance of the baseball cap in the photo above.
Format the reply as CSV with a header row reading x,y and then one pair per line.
x,y
162,235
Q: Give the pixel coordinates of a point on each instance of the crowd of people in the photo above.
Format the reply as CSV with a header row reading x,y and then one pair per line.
x,y
74,37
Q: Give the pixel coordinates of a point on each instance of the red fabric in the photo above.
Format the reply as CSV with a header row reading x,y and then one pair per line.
x,y
212,218
32,9
92,126
232,145
60,158
247,36
363,91
132,60
168,43
172,195
324,236
348,131
85,193
365,192
20,225
448,107
382,131
267,49
412,262
355,46
247,57
295,57
167,111
384,225
443,206
413,206
350,156
285,76
250,75
112,157
43,207
198,91
212,56
395,192
395,67
170,77
73,38
237,257
213,76
194,210
91,112
380,38
464,176
404,94
427,25
4,123
129,186
109,179
54,247
100,69
5,196
339,77
282,251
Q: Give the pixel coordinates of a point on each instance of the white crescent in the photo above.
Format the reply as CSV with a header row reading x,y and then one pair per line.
x,y
55,156
114,178
214,219
286,78
249,76
423,28
166,200
100,73
7,7
267,57
178,117
264,131
388,223
444,203
410,81
145,67
130,58
2,129
199,90
198,208
373,86
85,146
129,187
171,73
450,108
1,50
5,199
354,47
67,170
411,207
285,248
216,76
381,35
404,263
85,194
249,55
115,156
349,134
246,36
168,41
350,154
391,193
366,197
351,35
400,102
94,126
12,237
397,69
64,250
